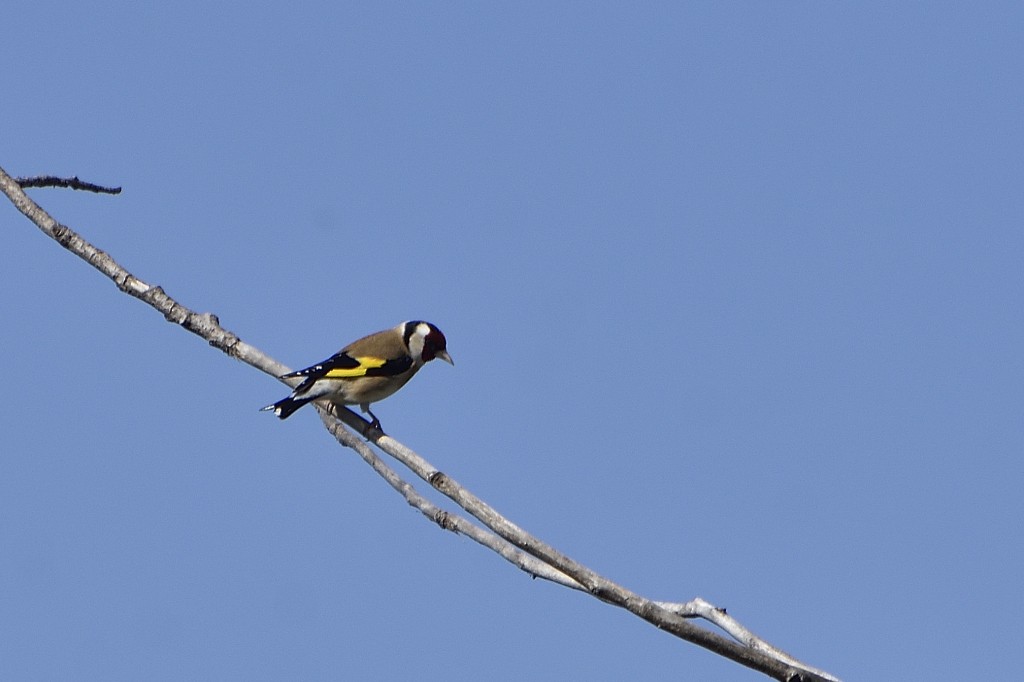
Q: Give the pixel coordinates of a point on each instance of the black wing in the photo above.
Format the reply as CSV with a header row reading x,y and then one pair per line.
x,y
344,366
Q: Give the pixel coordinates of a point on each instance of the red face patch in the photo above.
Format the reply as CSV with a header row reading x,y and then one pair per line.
x,y
433,343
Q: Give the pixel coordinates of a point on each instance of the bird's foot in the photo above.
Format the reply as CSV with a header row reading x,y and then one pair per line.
x,y
373,426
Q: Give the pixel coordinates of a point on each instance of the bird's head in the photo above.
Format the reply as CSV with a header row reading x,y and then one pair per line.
x,y
425,342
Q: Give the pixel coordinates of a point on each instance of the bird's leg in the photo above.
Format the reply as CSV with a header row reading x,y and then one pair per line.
x,y
375,424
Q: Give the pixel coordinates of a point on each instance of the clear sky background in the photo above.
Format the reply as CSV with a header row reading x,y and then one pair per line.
x,y
734,292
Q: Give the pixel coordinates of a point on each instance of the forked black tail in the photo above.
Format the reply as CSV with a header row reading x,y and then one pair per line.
x,y
285,407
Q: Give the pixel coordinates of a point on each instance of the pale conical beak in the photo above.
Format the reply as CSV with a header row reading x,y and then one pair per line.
x,y
444,356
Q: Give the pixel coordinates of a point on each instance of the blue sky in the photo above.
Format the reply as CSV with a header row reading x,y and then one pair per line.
x,y
733,290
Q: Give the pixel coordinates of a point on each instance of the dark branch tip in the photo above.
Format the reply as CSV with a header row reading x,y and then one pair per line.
x,y
73,183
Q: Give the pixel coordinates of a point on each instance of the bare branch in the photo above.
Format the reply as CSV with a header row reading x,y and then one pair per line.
x,y
445,519
551,565
500,535
698,608
72,183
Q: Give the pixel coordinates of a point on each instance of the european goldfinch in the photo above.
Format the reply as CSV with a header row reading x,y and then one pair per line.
x,y
367,370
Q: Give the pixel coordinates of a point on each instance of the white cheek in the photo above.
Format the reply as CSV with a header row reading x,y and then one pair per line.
x,y
416,345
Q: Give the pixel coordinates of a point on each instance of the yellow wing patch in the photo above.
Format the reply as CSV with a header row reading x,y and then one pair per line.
x,y
366,362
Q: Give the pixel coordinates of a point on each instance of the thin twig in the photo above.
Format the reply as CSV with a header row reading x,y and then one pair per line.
x,y
533,556
72,183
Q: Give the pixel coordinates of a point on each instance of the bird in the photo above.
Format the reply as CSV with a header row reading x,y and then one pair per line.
x,y
368,370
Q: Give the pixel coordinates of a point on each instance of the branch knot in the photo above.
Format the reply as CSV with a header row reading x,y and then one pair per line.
x,y
62,234
439,480
445,520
